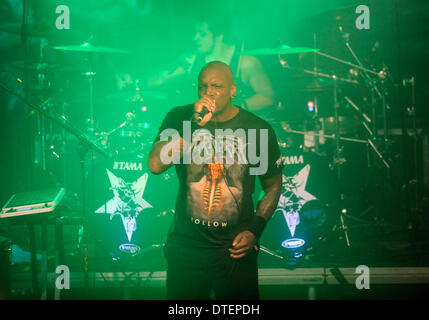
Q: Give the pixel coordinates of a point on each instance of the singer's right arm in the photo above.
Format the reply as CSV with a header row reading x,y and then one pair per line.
x,y
155,163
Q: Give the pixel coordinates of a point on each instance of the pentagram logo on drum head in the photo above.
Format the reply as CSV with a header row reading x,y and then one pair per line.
x,y
127,201
294,196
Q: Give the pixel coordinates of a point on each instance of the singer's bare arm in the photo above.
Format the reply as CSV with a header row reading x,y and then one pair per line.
x,y
155,163
245,241
272,188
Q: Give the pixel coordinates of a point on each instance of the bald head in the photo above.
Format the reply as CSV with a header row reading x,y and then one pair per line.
x,y
216,82
219,67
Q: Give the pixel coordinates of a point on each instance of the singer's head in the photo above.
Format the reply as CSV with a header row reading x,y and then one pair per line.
x,y
216,81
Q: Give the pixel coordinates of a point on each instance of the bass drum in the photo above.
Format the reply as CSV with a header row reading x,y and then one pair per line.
x,y
132,208
306,210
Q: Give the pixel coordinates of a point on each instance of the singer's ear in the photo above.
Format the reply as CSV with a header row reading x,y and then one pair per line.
x,y
233,91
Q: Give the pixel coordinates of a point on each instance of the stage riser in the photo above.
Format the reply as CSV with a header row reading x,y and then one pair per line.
x,y
267,292
301,283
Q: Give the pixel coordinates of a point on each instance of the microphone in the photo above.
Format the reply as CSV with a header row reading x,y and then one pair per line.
x,y
202,114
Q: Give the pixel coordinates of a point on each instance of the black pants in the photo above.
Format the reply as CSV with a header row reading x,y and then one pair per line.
x,y
193,272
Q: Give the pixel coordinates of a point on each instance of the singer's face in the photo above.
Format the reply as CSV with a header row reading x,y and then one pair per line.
x,y
217,83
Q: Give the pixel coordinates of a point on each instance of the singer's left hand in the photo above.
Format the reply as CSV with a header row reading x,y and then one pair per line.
x,y
243,243
207,102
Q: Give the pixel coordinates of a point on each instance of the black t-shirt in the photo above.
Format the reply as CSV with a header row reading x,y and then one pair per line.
x,y
214,202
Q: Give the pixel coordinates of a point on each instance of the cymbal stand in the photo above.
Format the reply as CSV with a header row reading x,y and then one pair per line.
x,y
339,158
89,75
414,181
315,116
287,129
376,94
370,131
40,149
83,151
374,91
381,74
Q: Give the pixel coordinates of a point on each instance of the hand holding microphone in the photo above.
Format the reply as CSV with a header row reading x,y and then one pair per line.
x,y
202,114
203,110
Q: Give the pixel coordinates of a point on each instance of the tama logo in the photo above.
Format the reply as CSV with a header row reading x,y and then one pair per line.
x,y
293,159
130,166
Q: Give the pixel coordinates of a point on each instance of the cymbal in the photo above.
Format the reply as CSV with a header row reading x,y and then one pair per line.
x,y
89,48
283,49
318,84
35,66
312,84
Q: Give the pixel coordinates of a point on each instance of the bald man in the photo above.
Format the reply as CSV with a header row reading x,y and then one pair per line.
x,y
212,244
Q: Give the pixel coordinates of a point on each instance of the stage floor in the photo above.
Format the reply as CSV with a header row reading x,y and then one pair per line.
x,y
275,284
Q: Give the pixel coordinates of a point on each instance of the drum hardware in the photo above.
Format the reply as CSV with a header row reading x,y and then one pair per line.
x,y
338,158
315,84
415,133
286,129
89,49
363,115
371,82
289,261
381,74
368,124
344,227
332,77
105,135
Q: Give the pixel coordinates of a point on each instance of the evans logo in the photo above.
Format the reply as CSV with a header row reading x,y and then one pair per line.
x,y
293,243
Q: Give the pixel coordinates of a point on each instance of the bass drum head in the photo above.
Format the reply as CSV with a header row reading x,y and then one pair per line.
x,y
132,209
306,211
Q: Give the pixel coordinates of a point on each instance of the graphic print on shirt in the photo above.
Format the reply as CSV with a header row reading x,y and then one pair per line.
x,y
212,191
215,190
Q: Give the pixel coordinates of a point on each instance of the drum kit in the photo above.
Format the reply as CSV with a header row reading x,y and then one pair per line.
x,y
130,190
314,144
125,211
